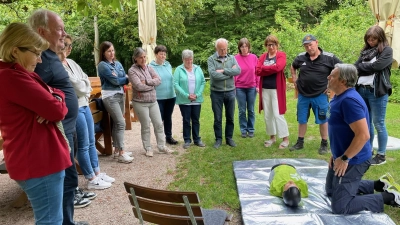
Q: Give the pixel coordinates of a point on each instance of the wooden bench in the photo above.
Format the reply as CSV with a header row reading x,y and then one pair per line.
x,y
168,207
104,118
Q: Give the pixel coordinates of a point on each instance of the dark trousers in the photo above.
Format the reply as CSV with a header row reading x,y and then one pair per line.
x,y
191,123
218,101
70,184
166,110
350,194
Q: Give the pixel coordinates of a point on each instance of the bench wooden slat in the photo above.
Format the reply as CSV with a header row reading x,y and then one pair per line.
x,y
166,219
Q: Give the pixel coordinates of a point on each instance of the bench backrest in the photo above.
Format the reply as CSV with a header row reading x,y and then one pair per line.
x,y
164,207
96,114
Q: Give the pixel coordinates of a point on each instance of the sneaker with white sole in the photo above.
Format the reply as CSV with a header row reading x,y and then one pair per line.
x,y
149,153
125,158
98,184
85,194
106,178
116,154
387,180
80,202
396,192
165,150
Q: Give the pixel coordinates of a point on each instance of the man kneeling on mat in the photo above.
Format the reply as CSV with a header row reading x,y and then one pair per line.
x,y
285,182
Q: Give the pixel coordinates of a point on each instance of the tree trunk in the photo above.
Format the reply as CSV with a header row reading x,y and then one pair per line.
x,y
96,44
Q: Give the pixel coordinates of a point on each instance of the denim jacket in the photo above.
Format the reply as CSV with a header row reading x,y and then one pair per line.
x,y
109,81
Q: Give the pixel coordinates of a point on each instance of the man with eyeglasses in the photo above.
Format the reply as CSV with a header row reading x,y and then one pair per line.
x,y
315,65
222,67
51,27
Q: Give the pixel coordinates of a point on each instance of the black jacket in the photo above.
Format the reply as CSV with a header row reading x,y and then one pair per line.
x,y
381,68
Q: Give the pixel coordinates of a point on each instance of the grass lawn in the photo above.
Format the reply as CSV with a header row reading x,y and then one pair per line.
x,y
209,171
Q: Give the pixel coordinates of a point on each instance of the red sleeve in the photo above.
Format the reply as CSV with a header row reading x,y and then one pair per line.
x,y
21,88
269,70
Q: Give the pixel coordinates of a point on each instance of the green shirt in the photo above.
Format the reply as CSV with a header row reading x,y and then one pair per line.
x,y
281,175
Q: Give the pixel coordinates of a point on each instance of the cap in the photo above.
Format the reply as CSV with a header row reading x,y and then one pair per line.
x,y
292,197
309,38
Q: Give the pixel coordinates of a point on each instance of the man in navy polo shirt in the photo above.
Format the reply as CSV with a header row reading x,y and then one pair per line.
x,y
315,65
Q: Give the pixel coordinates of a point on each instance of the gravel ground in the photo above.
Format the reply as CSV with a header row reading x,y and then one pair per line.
x,y
111,205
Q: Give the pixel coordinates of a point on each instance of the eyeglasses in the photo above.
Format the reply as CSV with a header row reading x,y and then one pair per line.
x,y
270,45
38,55
244,46
68,45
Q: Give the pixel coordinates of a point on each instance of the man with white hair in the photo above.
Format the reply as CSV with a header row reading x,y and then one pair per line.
x,y
50,26
222,67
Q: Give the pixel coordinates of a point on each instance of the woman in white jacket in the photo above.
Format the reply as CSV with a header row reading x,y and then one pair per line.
x,y
87,153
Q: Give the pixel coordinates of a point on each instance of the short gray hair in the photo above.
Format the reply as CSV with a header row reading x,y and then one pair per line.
x,y
137,53
187,54
39,18
223,40
348,73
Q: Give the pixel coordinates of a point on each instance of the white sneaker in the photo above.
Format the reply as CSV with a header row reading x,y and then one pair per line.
x,y
125,158
106,178
149,153
166,150
116,154
98,183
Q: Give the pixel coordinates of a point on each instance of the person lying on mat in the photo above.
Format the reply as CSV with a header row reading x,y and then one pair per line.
x,y
285,182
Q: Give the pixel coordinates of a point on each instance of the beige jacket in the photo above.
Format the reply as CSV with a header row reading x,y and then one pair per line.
x,y
143,83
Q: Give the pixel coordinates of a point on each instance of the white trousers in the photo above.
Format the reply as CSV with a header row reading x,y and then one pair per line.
x,y
274,122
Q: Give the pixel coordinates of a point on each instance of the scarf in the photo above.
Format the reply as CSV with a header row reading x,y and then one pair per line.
x,y
368,54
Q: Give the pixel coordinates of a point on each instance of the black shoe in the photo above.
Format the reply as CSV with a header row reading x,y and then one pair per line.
x,y
217,144
378,160
171,141
251,134
80,202
186,145
81,223
200,144
323,149
244,135
84,194
230,142
299,145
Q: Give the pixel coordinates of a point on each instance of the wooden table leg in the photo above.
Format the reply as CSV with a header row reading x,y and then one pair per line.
x,y
128,122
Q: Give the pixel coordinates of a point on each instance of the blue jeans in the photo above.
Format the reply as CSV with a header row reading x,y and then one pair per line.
x,y
377,113
218,100
70,184
349,193
246,98
166,110
115,106
46,195
87,152
191,113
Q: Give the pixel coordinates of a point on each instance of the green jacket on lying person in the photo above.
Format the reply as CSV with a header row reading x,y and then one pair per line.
x,y
285,182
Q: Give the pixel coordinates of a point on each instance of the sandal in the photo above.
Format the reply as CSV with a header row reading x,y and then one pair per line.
x,y
283,144
268,143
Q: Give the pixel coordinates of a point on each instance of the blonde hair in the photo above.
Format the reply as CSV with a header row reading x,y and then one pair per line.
x,y
19,35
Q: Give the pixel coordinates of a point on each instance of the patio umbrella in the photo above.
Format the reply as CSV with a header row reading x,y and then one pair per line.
x,y
387,14
147,26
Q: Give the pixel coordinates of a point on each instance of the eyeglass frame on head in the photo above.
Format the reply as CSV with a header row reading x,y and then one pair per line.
x,y
38,55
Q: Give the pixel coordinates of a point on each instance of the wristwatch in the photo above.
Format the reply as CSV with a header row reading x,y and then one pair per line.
x,y
344,158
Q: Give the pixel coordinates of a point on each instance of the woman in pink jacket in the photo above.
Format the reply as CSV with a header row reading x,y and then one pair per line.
x,y
270,68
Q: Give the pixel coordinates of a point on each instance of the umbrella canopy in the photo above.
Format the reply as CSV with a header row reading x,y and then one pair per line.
x,y
147,26
387,13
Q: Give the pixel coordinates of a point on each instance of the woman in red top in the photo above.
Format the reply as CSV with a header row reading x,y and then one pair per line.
x,y
270,68
35,150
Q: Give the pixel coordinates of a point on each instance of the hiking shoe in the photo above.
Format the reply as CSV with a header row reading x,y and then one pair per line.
x,y
149,153
171,141
378,160
200,144
106,178
251,135
396,192
323,149
84,194
125,158
80,202
116,154
165,150
81,223
244,135
98,184
186,145
217,143
299,145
